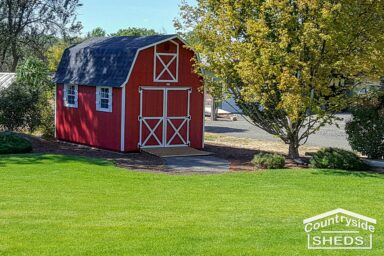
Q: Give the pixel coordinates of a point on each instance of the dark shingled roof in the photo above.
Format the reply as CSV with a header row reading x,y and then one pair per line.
x,y
102,61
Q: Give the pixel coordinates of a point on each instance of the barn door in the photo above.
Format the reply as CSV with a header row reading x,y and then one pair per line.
x,y
151,118
164,117
178,117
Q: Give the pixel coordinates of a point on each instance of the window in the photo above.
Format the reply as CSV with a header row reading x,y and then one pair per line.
x,y
104,99
70,95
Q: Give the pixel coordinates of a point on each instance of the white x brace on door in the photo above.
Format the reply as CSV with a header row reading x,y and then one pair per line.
x,y
164,116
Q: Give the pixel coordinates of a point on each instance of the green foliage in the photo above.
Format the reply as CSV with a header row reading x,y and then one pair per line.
x,y
47,121
335,158
268,161
54,54
26,103
97,32
17,108
11,143
131,31
282,60
33,73
366,129
28,28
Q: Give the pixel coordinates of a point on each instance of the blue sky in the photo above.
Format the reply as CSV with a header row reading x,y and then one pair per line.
x,y
112,15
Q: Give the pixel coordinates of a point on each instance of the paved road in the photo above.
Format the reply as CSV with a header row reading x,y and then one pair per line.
x,y
328,136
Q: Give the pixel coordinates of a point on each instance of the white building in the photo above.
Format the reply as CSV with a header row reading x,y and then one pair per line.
x,y
6,79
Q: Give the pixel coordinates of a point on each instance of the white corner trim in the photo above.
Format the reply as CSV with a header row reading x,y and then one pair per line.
x,y
204,95
122,129
55,109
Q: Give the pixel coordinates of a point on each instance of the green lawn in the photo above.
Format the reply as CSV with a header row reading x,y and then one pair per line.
x,y
57,205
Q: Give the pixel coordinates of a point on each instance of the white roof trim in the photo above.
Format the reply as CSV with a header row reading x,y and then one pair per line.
x,y
146,47
339,210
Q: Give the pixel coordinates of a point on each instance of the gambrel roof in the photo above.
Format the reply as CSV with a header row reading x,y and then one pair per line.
x,y
103,61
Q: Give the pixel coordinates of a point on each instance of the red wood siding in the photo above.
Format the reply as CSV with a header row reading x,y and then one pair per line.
x,y
84,124
142,75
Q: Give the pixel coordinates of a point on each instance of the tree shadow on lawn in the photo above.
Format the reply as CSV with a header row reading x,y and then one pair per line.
x,y
26,159
239,158
232,153
360,174
219,129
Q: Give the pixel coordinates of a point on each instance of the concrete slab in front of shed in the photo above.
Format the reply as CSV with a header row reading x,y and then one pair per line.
x,y
197,164
176,152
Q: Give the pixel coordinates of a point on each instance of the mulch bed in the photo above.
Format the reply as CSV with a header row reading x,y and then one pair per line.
x,y
239,158
134,161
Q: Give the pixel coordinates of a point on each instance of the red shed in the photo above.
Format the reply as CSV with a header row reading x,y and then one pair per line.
x,y
128,93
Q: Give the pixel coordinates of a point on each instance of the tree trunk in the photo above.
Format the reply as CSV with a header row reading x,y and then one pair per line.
x,y
15,57
213,110
293,152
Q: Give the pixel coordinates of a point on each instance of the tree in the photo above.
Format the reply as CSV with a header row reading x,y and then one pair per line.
x,y
131,31
366,128
54,54
285,61
26,25
26,103
97,32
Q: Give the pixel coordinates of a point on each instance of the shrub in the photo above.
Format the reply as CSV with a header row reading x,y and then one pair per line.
x,y
268,161
366,129
335,158
24,103
47,124
15,102
11,143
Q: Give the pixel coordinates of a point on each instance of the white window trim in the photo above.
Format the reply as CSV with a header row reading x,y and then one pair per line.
x,y
98,99
175,58
66,104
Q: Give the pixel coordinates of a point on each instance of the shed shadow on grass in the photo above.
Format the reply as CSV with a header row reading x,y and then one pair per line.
x,y
26,159
360,174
